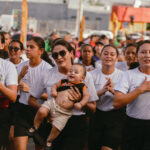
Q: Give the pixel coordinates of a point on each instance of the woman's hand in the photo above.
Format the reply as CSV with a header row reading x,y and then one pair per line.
x,y
74,94
23,87
104,89
110,86
145,86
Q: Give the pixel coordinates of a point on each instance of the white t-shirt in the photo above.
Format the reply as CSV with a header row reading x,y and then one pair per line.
x,y
34,79
122,66
8,73
105,102
97,65
16,64
140,107
55,76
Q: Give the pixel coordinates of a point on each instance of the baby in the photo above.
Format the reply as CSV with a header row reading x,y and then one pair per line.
x,y
61,105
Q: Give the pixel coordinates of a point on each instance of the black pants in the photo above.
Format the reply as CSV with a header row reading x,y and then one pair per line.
x,y
74,135
106,129
136,134
24,117
5,117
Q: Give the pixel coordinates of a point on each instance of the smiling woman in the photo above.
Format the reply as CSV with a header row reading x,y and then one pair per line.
x,y
74,135
106,124
133,90
15,50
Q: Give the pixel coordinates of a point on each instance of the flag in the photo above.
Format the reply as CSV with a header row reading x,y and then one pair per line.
x,y
24,22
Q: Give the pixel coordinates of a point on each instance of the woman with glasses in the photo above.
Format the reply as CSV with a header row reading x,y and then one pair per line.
x,y
31,74
106,124
74,135
133,90
15,50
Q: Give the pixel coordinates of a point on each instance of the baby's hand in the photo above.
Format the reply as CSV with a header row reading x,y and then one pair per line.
x,y
53,93
78,106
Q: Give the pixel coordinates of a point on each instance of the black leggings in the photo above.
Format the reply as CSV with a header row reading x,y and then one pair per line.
x,y
5,117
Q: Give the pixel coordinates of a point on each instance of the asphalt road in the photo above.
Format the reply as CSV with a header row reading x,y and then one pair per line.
x,y
30,145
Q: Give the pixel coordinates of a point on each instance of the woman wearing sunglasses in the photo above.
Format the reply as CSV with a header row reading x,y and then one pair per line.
x,y
32,74
15,51
106,124
74,135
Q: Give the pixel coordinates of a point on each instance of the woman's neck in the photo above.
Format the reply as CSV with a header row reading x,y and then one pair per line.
x,y
35,62
145,70
64,70
15,61
87,62
108,69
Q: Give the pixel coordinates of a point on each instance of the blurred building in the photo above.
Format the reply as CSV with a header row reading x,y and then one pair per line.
x,y
129,19
58,14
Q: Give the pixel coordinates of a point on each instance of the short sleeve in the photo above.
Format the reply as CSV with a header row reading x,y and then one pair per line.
x,y
11,75
124,83
90,84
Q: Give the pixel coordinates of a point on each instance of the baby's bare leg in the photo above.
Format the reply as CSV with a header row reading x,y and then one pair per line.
x,y
53,135
40,115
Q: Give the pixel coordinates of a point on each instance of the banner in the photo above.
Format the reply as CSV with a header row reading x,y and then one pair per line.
x,y
24,22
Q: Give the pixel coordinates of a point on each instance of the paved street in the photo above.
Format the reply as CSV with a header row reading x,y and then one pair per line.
x,y
30,145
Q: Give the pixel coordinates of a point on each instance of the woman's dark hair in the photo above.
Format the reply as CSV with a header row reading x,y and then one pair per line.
x,y
19,42
63,43
99,43
92,60
45,57
129,45
110,45
140,43
81,43
39,41
2,37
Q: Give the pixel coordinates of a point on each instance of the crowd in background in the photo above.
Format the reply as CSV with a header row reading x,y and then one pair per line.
x,y
117,115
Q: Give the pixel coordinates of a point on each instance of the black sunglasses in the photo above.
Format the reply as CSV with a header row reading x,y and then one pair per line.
x,y
13,48
62,53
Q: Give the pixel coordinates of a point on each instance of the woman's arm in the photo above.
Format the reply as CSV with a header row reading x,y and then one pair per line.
x,y
10,91
121,99
33,102
22,73
91,106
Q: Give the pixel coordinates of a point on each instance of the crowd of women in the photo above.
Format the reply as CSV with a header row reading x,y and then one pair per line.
x,y
117,115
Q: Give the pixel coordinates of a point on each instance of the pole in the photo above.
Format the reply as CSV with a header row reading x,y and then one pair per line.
x,y
79,17
24,22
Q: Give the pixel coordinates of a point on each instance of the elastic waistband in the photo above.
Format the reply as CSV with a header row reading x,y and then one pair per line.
x,y
137,120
